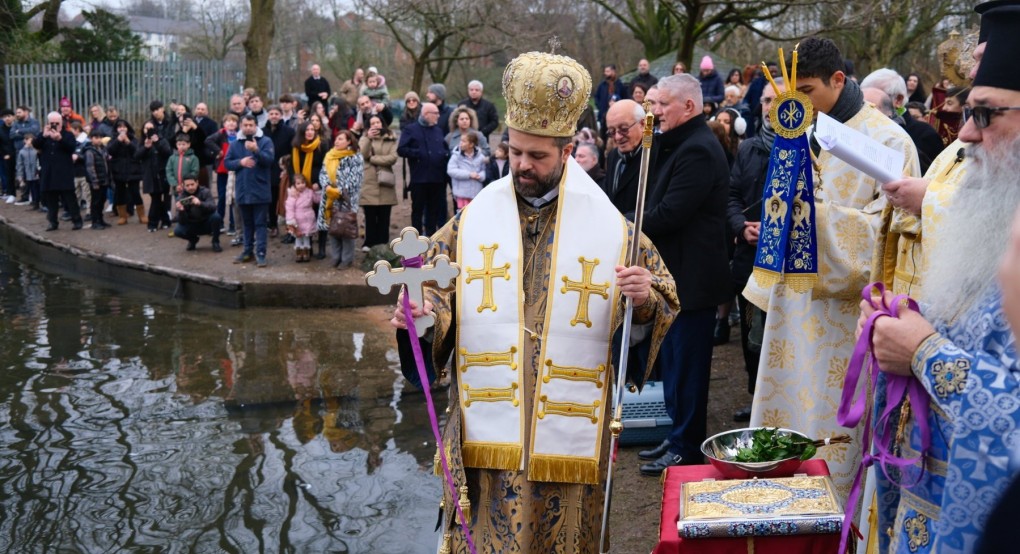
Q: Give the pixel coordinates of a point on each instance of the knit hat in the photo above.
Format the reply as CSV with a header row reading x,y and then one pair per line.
x,y
439,90
706,63
65,102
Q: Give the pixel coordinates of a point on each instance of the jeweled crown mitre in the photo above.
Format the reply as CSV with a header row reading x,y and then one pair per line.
x,y
545,94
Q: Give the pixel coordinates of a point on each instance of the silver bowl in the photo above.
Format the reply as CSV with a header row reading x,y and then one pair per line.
x,y
721,450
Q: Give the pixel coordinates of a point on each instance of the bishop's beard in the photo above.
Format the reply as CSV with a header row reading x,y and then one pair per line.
x,y
542,184
972,239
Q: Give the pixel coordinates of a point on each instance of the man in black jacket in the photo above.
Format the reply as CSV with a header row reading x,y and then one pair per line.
x,y
488,117
197,215
423,146
747,179
282,136
56,176
316,88
686,220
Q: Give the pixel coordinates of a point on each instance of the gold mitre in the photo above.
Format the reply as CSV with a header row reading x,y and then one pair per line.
x,y
545,94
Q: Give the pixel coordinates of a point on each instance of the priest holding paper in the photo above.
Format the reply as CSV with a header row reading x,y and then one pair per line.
x,y
809,330
530,325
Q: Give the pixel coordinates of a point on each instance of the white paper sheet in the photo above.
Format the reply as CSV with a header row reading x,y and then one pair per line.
x,y
862,152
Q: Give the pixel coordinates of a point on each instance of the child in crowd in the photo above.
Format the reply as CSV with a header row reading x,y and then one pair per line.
x,y
499,164
27,171
183,163
466,168
97,174
81,187
301,215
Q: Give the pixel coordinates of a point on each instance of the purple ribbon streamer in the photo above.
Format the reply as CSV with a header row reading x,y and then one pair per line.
x,y
852,407
419,361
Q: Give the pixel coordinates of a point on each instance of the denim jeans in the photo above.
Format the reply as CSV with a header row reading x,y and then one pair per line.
x,y
254,216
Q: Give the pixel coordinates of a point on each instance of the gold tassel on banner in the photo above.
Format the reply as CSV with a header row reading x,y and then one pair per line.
x,y
465,503
447,546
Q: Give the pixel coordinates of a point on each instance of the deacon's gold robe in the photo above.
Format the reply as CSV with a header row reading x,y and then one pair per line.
x,y
899,260
509,513
809,337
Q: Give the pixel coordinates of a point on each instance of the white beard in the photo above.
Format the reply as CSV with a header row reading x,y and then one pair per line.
x,y
963,265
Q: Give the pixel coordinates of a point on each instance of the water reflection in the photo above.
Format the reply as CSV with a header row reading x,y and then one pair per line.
x,y
143,427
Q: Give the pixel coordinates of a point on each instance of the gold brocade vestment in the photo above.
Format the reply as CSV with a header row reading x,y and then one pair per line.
x,y
509,513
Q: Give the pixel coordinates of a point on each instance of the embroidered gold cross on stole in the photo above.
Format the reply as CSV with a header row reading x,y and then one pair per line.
x,y
585,288
487,273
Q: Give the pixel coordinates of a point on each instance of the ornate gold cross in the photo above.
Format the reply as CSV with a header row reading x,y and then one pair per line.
x,y
487,273
440,270
586,288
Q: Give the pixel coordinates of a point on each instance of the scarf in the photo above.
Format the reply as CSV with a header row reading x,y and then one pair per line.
x,y
847,105
767,133
332,162
309,149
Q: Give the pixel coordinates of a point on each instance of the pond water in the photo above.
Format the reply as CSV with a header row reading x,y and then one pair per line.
x,y
140,427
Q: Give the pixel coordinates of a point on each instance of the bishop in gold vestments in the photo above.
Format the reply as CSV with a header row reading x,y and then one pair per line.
x,y
518,494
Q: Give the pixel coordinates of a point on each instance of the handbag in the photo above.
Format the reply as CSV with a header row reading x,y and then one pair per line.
x,y
343,222
386,178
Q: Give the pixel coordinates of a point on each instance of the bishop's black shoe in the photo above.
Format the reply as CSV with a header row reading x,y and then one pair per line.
x,y
654,453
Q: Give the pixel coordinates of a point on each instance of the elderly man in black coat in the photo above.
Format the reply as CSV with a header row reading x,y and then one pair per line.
x,y
686,220
56,176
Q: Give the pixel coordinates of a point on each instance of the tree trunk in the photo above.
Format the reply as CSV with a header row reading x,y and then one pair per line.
x,y
418,76
258,44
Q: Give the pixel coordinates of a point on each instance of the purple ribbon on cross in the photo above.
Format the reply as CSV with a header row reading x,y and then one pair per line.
x,y
853,406
419,360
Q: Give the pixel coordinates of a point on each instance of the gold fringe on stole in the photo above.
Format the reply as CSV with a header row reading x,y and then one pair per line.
x,y
750,545
800,282
563,469
492,456
765,277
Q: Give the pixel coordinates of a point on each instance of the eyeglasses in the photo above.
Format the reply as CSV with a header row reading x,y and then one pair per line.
x,y
983,115
412,100
622,130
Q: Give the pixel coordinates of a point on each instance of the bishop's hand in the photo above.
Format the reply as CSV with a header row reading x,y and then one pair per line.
x,y
635,283
399,321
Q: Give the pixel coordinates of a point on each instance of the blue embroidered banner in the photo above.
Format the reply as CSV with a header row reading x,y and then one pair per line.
x,y
787,243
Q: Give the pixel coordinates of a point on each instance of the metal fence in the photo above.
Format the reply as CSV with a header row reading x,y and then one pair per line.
x,y
129,85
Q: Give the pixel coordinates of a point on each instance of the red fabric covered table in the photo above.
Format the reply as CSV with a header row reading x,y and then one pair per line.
x,y
671,543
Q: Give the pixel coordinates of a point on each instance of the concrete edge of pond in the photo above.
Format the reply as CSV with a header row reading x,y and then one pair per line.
x,y
172,284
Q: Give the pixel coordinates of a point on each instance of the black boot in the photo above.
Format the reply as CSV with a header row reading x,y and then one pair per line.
x,y
216,245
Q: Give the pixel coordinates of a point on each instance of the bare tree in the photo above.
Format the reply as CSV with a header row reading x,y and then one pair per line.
x,y
436,33
220,29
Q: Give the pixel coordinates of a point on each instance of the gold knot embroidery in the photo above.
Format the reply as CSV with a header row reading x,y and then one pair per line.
x,y
917,532
950,377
